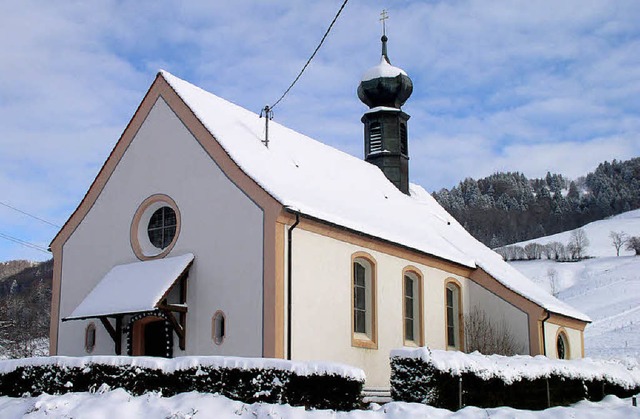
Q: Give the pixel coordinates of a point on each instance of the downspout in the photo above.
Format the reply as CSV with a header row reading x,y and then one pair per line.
x,y
544,342
289,271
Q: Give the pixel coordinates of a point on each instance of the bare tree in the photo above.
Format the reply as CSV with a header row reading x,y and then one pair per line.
x,y
488,337
618,239
24,321
533,250
503,251
634,244
554,284
554,250
578,243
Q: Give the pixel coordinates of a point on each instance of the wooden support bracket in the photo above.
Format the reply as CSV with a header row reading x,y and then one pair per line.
x,y
114,332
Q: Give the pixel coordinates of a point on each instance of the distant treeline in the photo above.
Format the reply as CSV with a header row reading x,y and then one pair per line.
x,y
507,207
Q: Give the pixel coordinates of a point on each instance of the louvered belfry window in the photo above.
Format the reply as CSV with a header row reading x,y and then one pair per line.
x,y
375,137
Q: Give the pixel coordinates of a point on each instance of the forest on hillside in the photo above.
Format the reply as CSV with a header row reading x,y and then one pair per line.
x,y
25,302
507,207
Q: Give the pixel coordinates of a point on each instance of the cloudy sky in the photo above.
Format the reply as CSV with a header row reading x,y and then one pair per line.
x,y
530,86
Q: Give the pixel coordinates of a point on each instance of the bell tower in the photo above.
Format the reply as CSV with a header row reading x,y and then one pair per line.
x,y
384,89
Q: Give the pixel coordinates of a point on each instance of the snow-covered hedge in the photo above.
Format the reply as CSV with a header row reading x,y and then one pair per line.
x,y
311,384
441,378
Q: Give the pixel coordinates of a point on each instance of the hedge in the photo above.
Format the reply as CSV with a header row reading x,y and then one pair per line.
x,y
313,385
452,379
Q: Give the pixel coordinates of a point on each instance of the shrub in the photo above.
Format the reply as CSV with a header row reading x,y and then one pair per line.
x,y
442,378
250,380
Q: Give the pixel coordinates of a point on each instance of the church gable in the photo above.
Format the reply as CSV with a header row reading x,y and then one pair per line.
x,y
160,161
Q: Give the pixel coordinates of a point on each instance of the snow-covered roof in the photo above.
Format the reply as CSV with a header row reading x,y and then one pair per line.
x,y
132,288
319,181
383,69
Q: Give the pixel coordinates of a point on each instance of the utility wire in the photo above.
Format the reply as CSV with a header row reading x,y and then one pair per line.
x,y
29,215
24,243
312,55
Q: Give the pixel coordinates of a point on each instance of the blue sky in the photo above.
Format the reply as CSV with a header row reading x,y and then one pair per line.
x,y
498,85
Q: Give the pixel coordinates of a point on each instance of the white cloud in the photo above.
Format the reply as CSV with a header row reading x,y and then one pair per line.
x,y
529,86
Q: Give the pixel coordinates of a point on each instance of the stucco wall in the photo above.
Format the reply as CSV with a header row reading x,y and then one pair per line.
x,y
321,317
501,314
220,225
575,340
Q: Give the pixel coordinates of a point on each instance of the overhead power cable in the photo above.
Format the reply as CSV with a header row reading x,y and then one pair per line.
x,y
24,243
30,215
270,108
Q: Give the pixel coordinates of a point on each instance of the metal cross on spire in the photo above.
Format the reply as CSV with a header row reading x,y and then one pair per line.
x,y
383,17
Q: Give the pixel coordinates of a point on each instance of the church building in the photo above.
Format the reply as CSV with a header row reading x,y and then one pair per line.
x,y
199,236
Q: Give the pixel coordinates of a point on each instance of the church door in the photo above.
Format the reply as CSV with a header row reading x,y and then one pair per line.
x,y
151,337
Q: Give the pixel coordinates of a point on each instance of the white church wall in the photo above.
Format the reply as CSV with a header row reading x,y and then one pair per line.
x,y
574,336
219,224
321,319
500,312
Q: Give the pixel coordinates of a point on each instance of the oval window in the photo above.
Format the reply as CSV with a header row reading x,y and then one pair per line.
x,y
90,337
561,346
219,327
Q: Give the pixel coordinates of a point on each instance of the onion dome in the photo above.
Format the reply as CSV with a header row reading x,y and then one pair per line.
x,y
384,84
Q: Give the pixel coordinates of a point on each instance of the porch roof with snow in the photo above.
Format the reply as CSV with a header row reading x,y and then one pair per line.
x,y
133,288
319,181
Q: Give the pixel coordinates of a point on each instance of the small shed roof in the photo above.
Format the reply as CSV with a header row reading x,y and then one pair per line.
x,y
132,288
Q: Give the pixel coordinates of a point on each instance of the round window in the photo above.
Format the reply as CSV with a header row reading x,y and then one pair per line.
x,y
162,227
155,227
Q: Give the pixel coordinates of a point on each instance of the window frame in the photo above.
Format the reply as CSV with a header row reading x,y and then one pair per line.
x,y
561,333
416,276
369,339
139,236
458,320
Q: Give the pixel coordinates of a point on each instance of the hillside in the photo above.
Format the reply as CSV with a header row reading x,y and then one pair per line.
x,y
508,207
605,287
25,301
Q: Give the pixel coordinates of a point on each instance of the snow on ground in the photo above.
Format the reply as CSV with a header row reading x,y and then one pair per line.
x,y
598,234
120,404
606,287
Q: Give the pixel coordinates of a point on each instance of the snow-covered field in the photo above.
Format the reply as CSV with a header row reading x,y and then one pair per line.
x,y
607,288
119,404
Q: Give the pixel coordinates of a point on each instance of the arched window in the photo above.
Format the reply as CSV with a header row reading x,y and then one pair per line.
x,y
562,345
218,327
453,314
90,337
375,137
412,307
364,328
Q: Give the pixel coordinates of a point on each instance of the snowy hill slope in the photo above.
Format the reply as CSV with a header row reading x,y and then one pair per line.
x,y
598,234
606,287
